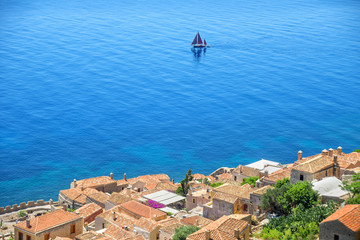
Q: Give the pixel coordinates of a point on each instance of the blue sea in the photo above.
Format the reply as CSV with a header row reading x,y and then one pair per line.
x,y
93,87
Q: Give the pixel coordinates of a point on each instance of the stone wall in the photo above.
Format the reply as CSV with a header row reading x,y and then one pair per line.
x,y
24,205
328,230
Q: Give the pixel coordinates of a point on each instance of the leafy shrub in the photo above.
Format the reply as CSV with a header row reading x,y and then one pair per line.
x,y
217,184
183,232
22,213
250,180
357,150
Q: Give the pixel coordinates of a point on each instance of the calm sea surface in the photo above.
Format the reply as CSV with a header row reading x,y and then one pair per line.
x,y
93,87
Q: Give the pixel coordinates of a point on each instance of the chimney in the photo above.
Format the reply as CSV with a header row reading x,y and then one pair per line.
x,y
125,176
335,159
331,151
111,176
236,233
173,181
339,150
114,216
207,235
75,184
299,155
324,152
28,223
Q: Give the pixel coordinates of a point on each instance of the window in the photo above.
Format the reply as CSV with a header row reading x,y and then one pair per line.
x,y
47,236
193,200
103,225
336,237
301,177
138,189
122,188
245,207
72,229
326,173
28,237
234,178
21,236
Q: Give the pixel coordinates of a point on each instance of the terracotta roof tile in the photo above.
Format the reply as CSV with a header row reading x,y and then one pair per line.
x,y
120,220
74,194
94,182
196,221
348,215
239,191
224,176
141,209
147,224
211,178
262,190
99,197
118,198
198,176
88,210
221,229
315,164
225,197
48,220
279,175
247,171
116,232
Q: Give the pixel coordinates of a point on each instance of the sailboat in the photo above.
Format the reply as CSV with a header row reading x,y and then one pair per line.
x,y
197,42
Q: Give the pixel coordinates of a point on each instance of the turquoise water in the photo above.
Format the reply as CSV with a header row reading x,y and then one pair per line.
x,y
112,86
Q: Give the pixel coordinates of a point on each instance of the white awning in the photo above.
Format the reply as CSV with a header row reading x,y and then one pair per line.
x,y
164,197
167,209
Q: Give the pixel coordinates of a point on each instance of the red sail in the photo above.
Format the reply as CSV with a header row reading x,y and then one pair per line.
x,y
205,42
197,39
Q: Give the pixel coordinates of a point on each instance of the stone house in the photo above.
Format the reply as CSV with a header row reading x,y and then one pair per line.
x,y
89,212
255,199
97,197
59,223
231,227
258,169
198,198
102,184
114,217
344,224
75,198
315,167
222,204
168,227
271,179
148,228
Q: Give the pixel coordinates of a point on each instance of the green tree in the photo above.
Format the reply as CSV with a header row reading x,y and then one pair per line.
x,y
281,182
354,188
250,180
206,181
185,186
357,150
183,232
270,202
299,195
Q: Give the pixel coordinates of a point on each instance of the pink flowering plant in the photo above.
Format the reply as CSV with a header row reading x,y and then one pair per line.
x,y
154,204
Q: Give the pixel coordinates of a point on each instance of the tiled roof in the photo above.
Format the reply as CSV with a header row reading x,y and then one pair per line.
x,y
350,160
62,238
224,176
48,220
211,178
118,198
166,186
225,197
171,228
141,209
221,229
239,191
198,176
348,215
122,182
88,209
196,221
315,164
262,190
116,233
99,197
74,194
91,235
147,224
94,182
279,175
120,220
